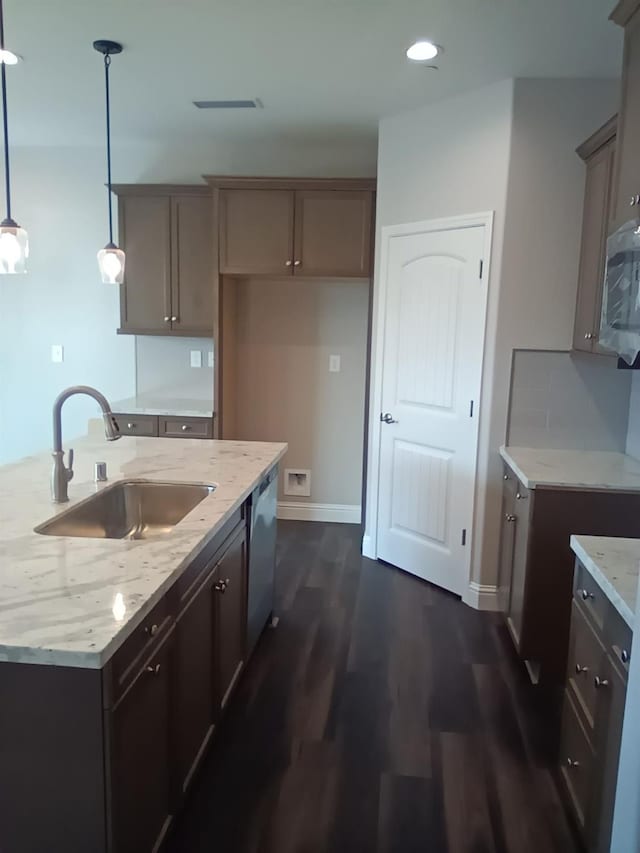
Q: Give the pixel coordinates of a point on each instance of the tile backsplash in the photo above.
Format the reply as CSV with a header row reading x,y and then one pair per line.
x,y
566,401
163,368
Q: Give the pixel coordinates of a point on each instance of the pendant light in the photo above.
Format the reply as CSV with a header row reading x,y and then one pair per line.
x,y
14,243
111,258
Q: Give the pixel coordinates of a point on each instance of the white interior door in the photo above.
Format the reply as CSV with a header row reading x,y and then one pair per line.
x,y
431,376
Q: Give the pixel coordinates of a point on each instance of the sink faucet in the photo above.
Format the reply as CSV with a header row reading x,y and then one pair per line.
x,y
61,474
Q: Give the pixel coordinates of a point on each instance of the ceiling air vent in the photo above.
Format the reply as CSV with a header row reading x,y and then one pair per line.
x,y
253,104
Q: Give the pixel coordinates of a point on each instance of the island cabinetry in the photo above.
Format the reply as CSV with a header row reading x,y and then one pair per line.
x,y
100,759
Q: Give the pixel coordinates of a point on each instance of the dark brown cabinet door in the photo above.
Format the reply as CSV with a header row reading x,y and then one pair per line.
x,y
332,233
595,224
256,232
145,234
628,163
140,757
517,591
507,540
192,300
195,673
230,590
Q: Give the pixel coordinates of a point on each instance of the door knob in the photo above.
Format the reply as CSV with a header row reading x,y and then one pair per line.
x,y
388,418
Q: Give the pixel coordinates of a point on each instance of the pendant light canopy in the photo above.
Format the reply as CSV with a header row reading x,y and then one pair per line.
x,y
111,258
14,243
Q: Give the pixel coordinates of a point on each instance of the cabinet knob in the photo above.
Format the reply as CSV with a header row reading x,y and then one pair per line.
x,y
297,263
174,319
600,682
185,427
624,656
572,763
520,497
581,669
131,426
586,595
510,518
505,476
167,319
288,263
222,585
635,199
151,630
589,336
154,670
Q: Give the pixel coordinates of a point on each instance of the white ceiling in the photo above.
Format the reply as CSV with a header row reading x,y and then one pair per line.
x,y
323,68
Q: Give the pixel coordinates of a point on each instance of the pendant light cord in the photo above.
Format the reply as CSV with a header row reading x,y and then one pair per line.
x,y
107,63
3,79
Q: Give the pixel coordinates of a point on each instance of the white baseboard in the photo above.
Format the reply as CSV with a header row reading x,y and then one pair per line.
x,y
367,547
481,596
341,513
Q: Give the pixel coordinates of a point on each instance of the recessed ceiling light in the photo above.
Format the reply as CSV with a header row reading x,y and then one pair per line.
x,y
8,57
422,51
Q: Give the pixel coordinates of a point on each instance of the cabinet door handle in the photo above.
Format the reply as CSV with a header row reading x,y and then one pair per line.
x,y
581,669
510,518
154,670
167,319
624,656
505,476
600,682
589,336
131,426
586,595
288,263
174,319
151,630
520,497
221,586
297,263
185,427
572,763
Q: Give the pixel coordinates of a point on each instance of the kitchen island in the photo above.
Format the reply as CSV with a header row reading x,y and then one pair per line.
x,y
117,655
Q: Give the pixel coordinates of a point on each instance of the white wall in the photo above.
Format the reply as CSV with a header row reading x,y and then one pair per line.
x,y
509,148
58,195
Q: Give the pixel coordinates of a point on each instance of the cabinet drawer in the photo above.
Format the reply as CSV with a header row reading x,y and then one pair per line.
x,y
586,656
576,760
590,598
171,427
126,662
145,425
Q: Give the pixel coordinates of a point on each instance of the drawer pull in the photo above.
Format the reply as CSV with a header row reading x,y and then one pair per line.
x,y
185,427
505,476
222,585
600,682
151,630
624,656
520,497
586,595
131,426
154,670
581,669
510,518
572,763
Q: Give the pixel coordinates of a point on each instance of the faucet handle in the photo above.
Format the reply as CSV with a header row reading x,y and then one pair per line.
x,y
70,465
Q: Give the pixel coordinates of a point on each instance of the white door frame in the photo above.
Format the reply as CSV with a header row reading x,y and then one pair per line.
x,y
370,538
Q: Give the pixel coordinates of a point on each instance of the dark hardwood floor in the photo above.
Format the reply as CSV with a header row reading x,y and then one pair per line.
x,y
383,716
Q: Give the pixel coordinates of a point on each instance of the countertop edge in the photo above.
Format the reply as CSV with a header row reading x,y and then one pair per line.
x,y
506,456
603,582
50,656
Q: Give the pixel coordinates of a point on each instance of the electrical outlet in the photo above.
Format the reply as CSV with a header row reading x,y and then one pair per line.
x,y
334,364
297,481
210,358
196,358
57,353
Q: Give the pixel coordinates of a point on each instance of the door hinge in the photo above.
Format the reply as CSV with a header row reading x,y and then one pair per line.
x,y
481,268
470,408
464,536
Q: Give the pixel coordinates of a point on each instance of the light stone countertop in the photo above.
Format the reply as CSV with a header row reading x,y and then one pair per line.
x,y
613,564
152,404
57,594
573,469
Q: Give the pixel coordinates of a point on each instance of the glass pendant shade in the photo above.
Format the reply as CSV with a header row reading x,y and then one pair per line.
x,y
111,262
14,248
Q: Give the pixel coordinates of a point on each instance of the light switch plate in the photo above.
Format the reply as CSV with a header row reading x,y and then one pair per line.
x,y
334,364
57,353
210,358
196,358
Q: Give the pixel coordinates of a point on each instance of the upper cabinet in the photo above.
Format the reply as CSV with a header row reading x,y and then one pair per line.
x,y
627,170
598,153
168,238
314,231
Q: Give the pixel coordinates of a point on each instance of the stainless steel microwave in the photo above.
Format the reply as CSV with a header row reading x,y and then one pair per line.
x,y
620,319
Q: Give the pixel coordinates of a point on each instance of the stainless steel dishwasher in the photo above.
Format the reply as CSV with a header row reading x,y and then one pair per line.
x,y
262,562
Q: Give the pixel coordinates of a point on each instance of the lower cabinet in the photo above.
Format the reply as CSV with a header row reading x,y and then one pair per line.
x,y
594,699
231,590
139,727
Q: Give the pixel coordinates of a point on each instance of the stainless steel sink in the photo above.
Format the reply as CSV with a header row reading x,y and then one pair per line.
x,y
129,509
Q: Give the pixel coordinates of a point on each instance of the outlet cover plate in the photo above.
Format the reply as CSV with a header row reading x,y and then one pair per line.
x,y
57,353
297,482
196,358
334,364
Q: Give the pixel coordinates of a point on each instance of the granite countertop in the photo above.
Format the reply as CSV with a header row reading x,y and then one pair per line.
x,y
613,564
150,404
61,598
573,469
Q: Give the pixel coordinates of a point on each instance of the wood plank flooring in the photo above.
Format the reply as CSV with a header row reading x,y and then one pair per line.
x,y
383,716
